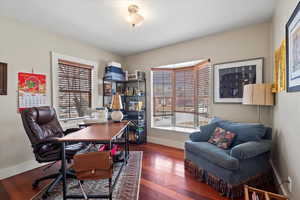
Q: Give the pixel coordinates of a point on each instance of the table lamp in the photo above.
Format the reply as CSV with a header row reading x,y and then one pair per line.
x,y
258,94
116,106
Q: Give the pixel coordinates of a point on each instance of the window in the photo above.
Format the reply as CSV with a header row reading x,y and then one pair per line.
x,y
74,87
75,90
181,95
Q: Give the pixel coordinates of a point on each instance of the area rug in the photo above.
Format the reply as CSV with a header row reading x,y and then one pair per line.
x,y
127,187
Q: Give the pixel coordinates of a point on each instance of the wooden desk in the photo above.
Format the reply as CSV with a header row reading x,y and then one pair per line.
x,y
96,133
101,133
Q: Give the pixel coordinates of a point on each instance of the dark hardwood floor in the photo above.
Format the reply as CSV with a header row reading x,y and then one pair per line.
x,y
163,178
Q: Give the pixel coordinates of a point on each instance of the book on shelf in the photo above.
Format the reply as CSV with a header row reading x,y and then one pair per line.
x,y
135,106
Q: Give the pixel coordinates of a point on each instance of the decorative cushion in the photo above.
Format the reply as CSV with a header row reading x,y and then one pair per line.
x,y
222,138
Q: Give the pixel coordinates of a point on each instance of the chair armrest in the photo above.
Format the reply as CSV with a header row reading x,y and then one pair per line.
x,y
250,149
50,140
197,136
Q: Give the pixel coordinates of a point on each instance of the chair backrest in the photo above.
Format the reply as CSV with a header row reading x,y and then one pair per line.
x,y
41,123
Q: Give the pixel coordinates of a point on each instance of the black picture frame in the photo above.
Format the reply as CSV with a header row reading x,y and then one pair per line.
x,y
259,65
292,80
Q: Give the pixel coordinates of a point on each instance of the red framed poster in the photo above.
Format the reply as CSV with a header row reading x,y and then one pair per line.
x,y
31,90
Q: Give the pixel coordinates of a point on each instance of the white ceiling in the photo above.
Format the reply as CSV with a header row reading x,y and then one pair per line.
x,y
102,22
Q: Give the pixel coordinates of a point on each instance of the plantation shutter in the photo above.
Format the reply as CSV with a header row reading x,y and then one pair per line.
x,y
162,93
75,89
204,74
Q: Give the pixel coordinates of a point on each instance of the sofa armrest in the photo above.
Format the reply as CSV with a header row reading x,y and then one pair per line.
x,y
197,136
250,149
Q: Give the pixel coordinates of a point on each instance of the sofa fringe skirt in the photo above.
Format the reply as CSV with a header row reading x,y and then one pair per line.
x,y
226,189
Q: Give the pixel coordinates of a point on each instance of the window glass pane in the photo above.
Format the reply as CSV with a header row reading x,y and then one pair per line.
x,y
162,121
184,119
202,120
162,93
185,98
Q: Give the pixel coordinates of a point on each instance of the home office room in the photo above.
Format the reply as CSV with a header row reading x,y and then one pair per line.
x,y
149,99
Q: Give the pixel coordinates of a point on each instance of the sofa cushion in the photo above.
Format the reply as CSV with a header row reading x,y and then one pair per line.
x,y
222,138
251,149
245,132
213,154
215,120
198,136
208,130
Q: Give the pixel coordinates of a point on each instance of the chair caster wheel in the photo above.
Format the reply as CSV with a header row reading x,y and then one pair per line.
x,y
35,185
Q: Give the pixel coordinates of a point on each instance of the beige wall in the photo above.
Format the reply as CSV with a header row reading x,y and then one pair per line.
x,y
25,48
244,43
286,112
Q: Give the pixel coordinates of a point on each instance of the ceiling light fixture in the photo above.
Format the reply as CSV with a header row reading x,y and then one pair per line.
x,y
134,17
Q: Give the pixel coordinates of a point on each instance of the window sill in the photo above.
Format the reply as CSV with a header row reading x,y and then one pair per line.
x,y
177,129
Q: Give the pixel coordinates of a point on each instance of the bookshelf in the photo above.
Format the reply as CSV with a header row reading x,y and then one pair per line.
x,y
133,95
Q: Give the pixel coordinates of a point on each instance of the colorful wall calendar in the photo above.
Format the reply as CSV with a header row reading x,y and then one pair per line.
x,y
31,90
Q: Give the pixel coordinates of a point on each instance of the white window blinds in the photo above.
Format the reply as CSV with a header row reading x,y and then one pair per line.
x,y
75,89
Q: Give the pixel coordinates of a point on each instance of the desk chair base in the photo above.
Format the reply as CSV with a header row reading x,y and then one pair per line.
x,y
57,178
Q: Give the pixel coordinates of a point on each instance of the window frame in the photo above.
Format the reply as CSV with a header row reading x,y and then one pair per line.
x,y
195,68
55,57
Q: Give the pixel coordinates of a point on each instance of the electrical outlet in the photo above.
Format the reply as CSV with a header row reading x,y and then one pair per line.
x,y
290,183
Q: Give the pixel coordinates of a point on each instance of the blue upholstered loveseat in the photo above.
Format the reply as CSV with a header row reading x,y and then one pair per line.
x,y
245,162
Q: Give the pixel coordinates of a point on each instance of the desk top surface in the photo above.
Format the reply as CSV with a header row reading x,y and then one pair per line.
x,y
98,132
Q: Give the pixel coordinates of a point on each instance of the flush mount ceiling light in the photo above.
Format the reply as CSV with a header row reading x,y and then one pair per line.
x,y
134,17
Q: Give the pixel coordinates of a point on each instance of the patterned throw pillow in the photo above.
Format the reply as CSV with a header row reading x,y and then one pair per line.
x,y
222,138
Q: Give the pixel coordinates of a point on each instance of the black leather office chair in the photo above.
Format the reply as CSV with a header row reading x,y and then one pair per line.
x,y
43,128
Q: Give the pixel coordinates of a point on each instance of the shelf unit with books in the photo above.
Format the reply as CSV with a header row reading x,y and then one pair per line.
x,y
133,95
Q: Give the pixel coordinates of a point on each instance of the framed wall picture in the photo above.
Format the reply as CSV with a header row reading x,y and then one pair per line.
x,y
230,78
293,51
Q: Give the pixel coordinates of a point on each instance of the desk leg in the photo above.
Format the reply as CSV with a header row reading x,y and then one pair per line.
x,y
63,169
126,144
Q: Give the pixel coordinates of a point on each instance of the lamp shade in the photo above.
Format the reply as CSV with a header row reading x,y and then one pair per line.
x,y
116,102
258,94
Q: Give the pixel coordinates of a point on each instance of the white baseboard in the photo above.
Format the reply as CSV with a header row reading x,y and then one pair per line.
x,y
278,179
20,168
166,142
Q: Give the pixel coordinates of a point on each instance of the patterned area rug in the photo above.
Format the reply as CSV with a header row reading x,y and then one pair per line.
x,y
127,187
